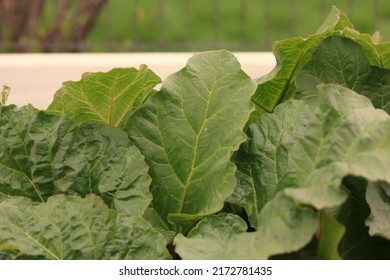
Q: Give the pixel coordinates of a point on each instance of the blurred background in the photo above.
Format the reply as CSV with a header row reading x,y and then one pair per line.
x,y
172,25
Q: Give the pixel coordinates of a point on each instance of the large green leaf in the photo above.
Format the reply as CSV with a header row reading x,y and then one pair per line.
x,y
353,141
188,132
292,54
105,98
306,147
73,228
41,155
283,227
342,61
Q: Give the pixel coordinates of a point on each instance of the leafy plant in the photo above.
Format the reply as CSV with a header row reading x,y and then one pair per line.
x,y
292,54
4,95
116,170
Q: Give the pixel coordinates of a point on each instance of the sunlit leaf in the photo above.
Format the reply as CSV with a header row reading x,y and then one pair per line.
x,y
105,98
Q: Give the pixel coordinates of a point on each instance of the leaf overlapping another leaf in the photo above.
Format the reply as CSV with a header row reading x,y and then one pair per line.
x,y
295,176
292,54
298,156
42,155
356,243
283,227
210,236
307,147
378,198
73,228
188,132
342,61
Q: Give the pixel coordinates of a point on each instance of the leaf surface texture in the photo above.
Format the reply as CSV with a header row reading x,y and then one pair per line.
x,y
105,98
188,132
42,155
74,228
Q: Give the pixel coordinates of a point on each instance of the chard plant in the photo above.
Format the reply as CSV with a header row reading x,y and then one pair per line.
x,y
214,165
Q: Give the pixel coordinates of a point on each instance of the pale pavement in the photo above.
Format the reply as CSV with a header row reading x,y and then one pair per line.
x,y
34,78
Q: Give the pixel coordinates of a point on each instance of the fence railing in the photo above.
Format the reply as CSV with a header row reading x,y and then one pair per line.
x,y
237,25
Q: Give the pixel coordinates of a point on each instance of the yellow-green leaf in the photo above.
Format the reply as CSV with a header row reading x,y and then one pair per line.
x,y
105,98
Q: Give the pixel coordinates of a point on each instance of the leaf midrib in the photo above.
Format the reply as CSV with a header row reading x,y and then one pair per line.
x,y
35,240
30,180
205,118
114,96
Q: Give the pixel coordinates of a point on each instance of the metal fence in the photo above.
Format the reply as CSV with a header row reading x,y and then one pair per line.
x,y
237,25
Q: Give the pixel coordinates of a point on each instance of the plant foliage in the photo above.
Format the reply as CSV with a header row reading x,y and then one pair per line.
x,y
214,165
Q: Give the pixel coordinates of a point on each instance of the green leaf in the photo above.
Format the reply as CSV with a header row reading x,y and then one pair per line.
x,y
331,233
210,238
261,161
105,98
226,224
158,224
4,95
283,227
73,228
376,52
384,50
353,140
188,132
378,198
292,54
3,197
300,155
356,243
342,61
307,147
42,155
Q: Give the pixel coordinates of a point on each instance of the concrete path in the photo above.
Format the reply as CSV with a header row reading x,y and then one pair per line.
x,y
34,78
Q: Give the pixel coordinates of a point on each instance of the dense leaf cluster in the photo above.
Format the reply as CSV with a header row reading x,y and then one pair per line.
x,y
213,165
